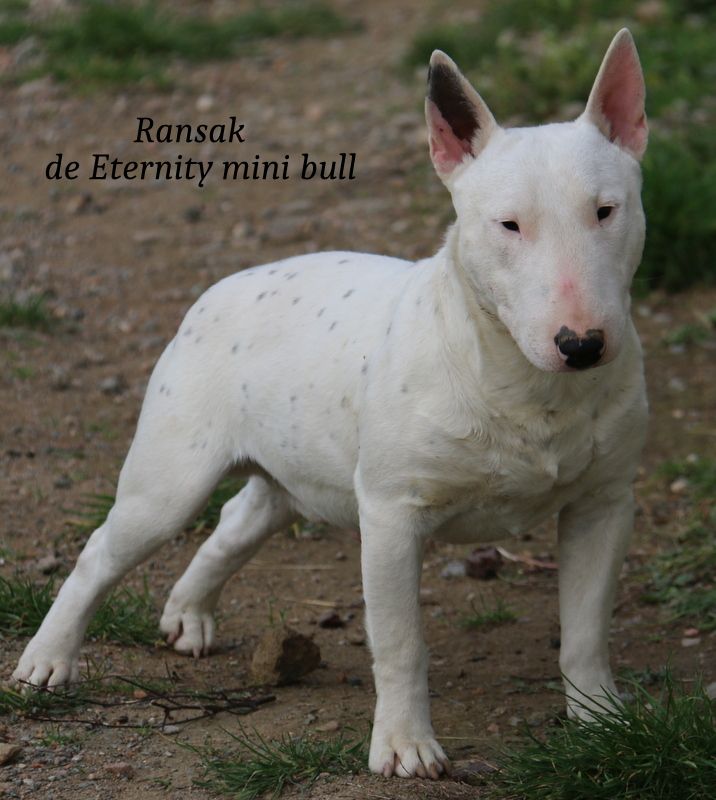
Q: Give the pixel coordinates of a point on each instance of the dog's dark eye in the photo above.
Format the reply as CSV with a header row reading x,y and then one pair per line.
x,y
603,212
511,225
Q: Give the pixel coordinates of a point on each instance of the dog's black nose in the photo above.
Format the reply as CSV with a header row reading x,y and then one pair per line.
x,y
580,351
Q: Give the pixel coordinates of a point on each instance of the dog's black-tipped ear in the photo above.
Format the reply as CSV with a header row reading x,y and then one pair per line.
x,y
459,122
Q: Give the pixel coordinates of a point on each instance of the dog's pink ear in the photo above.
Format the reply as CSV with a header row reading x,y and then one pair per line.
x,y
459,122
616,103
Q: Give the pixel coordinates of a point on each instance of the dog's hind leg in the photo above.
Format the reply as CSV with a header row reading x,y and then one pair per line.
x,y
172,467
260,509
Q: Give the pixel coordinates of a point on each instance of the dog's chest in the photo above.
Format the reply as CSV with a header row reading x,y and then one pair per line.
x,y
535,463
511,479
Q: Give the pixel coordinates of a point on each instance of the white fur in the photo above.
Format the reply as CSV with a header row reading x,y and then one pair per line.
x,y
415,400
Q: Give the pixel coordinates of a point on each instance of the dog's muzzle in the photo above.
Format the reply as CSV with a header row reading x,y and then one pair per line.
x,y
580,352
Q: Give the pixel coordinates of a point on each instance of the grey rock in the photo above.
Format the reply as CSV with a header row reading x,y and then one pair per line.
x,y
454,569
113,384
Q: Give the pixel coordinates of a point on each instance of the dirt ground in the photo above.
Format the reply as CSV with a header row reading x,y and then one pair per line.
x,y
122,261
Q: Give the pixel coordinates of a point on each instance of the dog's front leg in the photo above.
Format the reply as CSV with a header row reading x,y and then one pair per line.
x,y
594,534
403,742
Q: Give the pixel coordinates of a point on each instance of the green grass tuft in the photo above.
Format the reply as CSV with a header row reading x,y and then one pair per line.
x,y
12,7
497,614
94,508
654,748
23,605
120,43
209,517
690,333
13,27
681,225
97,686
13,31
30,313
682,578
91,512
541,55
53,736
127,616
259,766
699,472
499,24
644,677
42,703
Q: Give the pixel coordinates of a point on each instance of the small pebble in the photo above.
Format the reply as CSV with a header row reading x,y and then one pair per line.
x,y
114,384
170,729
679,486
454,569
9,752
60,378
63,482
122,769
48,564
483,563
471,772
331,619
80,203
204,103
193,213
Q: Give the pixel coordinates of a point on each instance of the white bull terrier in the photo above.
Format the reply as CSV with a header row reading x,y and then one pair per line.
x,y
449,399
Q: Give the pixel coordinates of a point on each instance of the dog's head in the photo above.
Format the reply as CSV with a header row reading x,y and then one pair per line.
x,y
550,226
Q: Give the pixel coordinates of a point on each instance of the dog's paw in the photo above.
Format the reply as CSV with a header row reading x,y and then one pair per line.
x,y
190,631
589,696
392,753
40,669
587,707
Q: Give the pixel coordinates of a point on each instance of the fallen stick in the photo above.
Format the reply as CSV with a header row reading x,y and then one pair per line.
x,y
259,565
530,562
